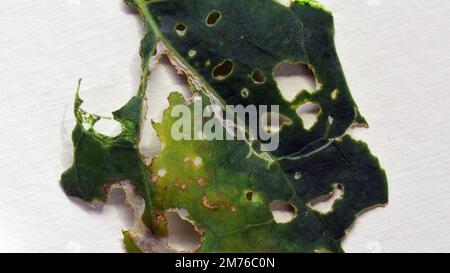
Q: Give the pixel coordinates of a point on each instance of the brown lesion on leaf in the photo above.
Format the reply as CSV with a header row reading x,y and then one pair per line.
x,y
218,201
201,231
160,218
180,185
155,178
159,225
207,204
200,182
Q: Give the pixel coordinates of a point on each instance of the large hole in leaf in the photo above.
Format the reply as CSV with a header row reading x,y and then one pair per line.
x,y
258,76
309,113
223,70
163,80
325,203
108,127
182,234
292,78
283,212
213,18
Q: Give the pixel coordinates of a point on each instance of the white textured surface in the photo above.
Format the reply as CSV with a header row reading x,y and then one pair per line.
x,y
395,56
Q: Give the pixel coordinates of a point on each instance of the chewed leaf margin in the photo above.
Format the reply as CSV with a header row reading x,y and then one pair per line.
x,y
101,161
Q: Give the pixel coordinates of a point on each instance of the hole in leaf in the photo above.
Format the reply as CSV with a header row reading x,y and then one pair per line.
x,y
162,172
182,234
163,80
309,113
272,122
325,203
283,212
249,196
292,78
192,53
245,92
108,127
223,70
334,94
181,29
86,126
213,18
258,76
198,161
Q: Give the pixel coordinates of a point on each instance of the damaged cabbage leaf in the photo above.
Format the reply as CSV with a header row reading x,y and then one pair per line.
x,y
226,188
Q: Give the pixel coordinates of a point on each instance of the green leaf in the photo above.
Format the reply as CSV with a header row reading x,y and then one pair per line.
x,y
130,246
227,187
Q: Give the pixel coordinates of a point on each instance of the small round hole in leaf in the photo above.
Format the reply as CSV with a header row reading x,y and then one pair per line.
x,y
223,70
181,29
249,196
192,53
198,161
245,92
258,76
162,172
213,18
334,94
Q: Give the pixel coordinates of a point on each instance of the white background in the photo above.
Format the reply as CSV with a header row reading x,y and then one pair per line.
x,y
395,55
